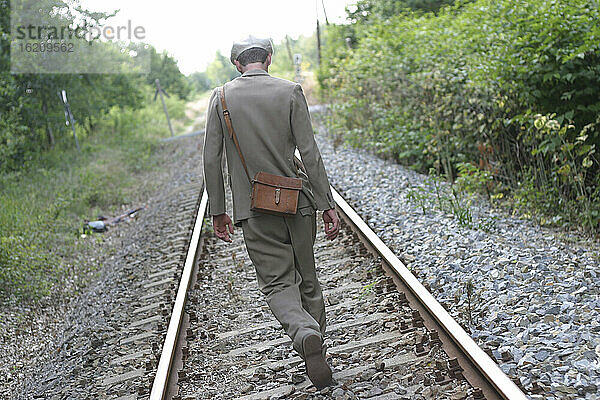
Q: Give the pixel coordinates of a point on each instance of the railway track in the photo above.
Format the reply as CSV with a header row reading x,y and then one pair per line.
x,y
388,338
122,351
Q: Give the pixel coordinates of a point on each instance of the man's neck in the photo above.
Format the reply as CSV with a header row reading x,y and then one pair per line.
x,y
255,66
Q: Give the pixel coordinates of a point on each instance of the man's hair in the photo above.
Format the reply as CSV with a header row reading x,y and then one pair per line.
x,y
252,55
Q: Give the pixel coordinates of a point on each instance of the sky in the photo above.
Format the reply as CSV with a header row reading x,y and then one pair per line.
x,y
193,31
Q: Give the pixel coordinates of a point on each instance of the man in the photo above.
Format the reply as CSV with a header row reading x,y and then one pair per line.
x,y
270,118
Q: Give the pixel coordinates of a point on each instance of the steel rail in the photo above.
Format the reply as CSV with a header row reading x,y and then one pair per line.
x,y
504,387
161,380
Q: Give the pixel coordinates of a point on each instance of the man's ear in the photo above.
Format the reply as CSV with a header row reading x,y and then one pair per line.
x,y
238,66
268,60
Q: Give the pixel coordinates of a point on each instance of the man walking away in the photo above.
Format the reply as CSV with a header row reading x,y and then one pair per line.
x,y
270,119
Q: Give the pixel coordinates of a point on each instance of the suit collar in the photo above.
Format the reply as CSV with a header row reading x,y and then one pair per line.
x,y
254,72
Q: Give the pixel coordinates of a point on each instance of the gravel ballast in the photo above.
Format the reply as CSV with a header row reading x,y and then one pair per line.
x,y
535,300
236,349
83,348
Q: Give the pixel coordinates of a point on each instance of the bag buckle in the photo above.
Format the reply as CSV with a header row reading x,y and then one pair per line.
x,y
277,195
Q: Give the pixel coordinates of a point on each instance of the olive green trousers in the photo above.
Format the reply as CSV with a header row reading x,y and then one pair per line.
x,y
281,250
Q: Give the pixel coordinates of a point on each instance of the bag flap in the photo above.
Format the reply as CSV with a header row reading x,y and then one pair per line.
x,y
278,181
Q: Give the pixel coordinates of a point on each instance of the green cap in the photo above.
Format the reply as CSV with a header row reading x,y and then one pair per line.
x,y
251,41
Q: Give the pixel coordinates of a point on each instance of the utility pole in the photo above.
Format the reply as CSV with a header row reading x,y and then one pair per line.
x,y
160,91
325,12
318,33
318,43
69,116
49,133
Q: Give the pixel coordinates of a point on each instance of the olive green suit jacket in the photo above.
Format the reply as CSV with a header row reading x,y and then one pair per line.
x,y
271,119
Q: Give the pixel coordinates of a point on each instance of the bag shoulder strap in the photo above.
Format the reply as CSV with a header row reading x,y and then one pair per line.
x,y
231,131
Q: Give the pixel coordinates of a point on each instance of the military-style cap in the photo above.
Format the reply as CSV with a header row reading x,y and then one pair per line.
x,y
248,43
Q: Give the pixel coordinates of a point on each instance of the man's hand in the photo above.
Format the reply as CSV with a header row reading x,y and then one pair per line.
x,y
221,224
332,223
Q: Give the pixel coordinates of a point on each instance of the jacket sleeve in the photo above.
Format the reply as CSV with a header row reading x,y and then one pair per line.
x,y
302,132
213,151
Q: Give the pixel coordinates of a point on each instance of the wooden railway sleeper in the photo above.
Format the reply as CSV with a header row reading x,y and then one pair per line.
x,y
405,328
417,320
434,338
455,370
478,394
420,349
402,299
440,377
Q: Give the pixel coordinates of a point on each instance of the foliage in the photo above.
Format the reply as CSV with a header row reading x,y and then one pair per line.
x,y
221,70
46,187
164,67
127,121
283,63
199,81
365,10
472,179
32,118
503,94
44,203
419,197
453,200
25,267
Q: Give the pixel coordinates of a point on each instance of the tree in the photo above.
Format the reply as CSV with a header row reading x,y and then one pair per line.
x,y
164,67
31,113
199,81
220,70
384,9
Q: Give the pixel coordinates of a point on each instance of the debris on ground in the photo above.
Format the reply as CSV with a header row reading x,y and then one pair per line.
x,y
102,223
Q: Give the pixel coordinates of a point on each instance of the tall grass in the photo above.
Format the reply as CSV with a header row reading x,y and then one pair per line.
x,y
43,206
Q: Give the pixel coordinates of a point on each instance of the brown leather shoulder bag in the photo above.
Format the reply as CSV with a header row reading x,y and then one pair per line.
x,y
272,194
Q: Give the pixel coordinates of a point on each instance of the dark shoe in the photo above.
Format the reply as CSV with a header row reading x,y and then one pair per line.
x,y
317,369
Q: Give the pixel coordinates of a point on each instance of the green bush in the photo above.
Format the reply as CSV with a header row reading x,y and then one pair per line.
x,y
44,203
24,271
511,88
46,187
